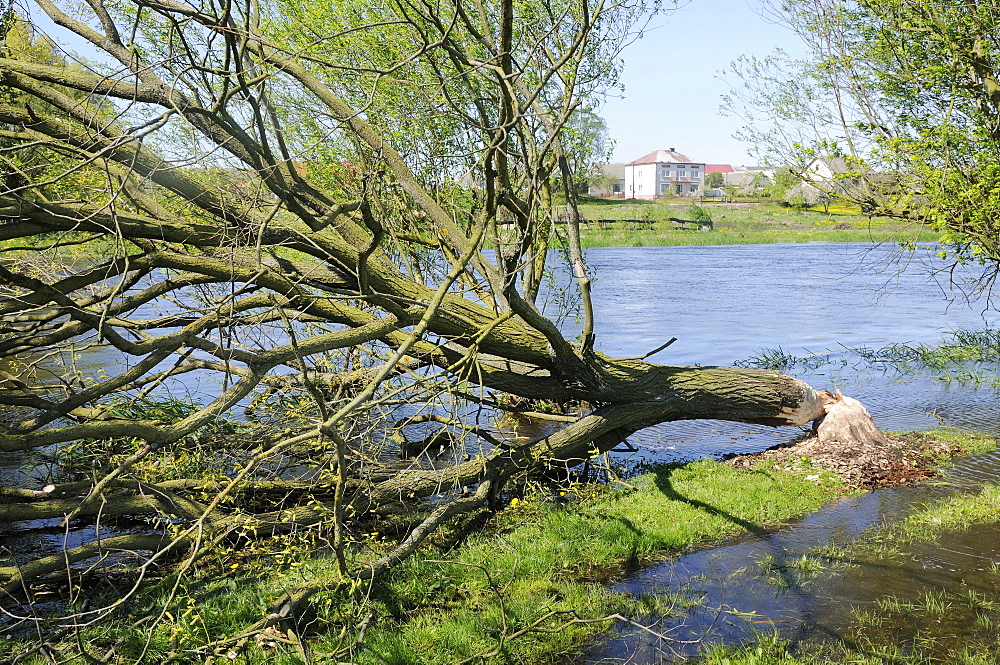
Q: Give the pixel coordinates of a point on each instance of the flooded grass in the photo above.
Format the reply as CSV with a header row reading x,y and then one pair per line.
x,y
908,575
967,357
939,627
931,523
929,623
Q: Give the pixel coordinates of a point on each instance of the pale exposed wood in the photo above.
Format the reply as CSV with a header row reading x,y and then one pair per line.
x,y
848,423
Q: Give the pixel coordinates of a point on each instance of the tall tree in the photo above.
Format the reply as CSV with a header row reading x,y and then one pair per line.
x,y
338,215
906,92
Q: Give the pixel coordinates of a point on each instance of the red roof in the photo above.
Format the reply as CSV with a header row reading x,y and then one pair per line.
x,y
662,157
719,168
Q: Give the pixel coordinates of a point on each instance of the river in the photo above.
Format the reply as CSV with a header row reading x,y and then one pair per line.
x,y
724,304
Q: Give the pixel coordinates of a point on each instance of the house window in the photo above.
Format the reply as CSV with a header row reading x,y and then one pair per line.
x,y
663,188
640,188
694,188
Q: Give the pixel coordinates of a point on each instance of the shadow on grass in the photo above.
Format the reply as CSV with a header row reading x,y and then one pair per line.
x,y
664,484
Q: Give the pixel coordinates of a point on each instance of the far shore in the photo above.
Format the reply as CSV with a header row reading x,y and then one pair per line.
x,y
669,222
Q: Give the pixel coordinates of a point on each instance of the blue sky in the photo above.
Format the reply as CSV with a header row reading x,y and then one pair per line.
x,y
672,85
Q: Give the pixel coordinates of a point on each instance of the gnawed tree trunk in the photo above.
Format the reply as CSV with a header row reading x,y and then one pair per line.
x,y
848,423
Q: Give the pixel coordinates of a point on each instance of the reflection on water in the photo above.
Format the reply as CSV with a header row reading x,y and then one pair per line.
x,y
761,582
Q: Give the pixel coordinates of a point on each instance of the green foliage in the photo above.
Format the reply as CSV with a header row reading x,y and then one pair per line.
x,y
907,93
21,165
587,144
196,456
777,187
696,213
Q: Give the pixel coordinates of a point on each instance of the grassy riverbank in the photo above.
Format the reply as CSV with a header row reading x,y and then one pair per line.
x,y
738,224
542,564
529,586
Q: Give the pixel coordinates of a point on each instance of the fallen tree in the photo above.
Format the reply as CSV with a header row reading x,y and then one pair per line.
x,y
344,223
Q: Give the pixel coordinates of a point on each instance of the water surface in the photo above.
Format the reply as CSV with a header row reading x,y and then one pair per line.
x,y
726,303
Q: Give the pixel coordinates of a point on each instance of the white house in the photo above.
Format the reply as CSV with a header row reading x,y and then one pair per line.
x,y
834,175
748,181
663,173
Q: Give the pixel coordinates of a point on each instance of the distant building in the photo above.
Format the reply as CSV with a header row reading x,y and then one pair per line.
x,y
748,181
716,186
606,180
826,169
833,175
663,173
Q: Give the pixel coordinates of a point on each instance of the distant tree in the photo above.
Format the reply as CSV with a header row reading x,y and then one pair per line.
x,y
715,179
587,145
801,195
778,186
696,213
824,199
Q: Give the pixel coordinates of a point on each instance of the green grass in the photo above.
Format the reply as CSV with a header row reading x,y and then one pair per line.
x,y
739,224
543,556
547,558
544,562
